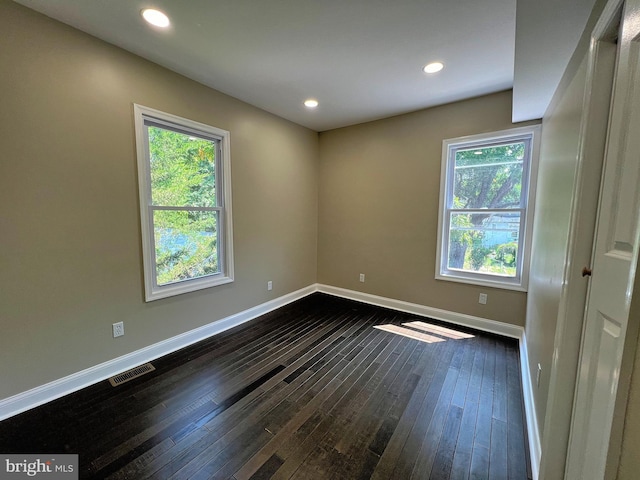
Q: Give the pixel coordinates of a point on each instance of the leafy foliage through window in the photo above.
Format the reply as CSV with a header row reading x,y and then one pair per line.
x,y
483,216
186,214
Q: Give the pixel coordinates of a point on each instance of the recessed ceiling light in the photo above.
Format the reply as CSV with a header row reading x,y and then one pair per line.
x,y
478,152
311,103
433,67
155,17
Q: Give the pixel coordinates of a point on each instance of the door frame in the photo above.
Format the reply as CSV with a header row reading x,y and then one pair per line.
x,y
567,342
624,116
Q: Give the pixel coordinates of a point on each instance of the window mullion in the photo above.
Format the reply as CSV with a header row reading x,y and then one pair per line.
x,y
486,210
189,208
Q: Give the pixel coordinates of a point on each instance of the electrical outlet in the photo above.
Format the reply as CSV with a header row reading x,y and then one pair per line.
x,y
538,375
362,277
118,329
269,285
483,298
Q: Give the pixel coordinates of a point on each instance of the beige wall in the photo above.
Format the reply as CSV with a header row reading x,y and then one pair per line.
x,y
558,159
379,194
362,199
70,248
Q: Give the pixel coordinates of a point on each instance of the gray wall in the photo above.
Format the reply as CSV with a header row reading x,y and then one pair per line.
x,y
70,248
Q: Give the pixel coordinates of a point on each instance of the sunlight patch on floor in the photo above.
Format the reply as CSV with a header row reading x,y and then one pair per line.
x,y
438,330
406,332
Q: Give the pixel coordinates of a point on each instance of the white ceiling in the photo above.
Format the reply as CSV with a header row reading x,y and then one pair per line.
x,y
547,32
362,59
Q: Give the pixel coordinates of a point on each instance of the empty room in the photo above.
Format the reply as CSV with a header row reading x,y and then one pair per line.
x,y
319,240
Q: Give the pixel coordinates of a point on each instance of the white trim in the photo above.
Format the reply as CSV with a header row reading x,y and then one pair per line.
x,y
520,281
481,282
535,448
594,447
153,291
571,311
484,324
58,388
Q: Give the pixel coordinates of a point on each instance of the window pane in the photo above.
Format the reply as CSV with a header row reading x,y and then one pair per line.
x,y
488,177
186,245
484,243
182,169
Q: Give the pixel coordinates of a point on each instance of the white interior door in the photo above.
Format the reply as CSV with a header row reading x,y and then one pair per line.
x,y
614,265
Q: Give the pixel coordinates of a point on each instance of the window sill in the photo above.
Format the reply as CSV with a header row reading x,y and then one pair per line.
x,y
483,282
170,290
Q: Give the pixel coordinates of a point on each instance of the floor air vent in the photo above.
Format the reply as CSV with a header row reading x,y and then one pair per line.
x,y
131,374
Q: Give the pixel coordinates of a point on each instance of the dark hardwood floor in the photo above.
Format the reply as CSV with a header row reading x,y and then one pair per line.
x,y
310,391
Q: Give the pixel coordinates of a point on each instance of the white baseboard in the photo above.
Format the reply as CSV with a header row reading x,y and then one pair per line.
x,y
478,323
535,446
58,388
461,319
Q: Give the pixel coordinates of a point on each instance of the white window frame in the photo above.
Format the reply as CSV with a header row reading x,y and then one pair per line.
x,y
153,291
449,147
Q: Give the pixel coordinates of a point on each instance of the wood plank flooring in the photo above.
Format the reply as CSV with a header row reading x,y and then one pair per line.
x,y
309,391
